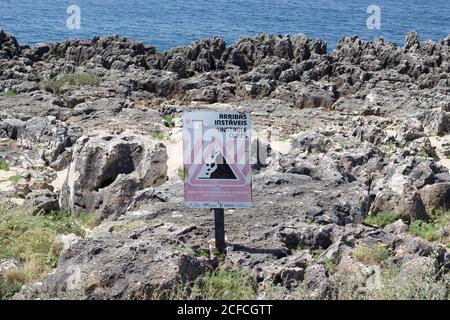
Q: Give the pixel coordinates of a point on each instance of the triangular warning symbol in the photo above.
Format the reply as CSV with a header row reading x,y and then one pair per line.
x,y
217,169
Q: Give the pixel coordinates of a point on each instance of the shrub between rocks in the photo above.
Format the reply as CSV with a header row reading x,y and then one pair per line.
x,y
3,165
375,254
382,219
9,93
33,242
78,79
221,284
431,230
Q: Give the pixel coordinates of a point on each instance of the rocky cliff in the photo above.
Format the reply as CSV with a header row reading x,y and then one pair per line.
x,y
355,183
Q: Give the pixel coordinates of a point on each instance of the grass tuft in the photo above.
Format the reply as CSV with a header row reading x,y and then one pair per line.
x,y
221,284
10,93
182,173
33,241
169,120
372,254
77,79
157,135
430,230
224,284
3,165
15,179
381,219
128,226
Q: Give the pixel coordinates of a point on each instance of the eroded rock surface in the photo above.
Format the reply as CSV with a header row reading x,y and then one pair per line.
x,y
357,132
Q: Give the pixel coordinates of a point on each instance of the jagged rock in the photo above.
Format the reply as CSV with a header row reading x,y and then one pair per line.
x,y
8,265
410,130
201,56
407,205
125,259
47,136
312,142
307,199
107,171
371,134
436,196
9,47
397,227
42,202
412,41
434,122
317,282
305,97
304,235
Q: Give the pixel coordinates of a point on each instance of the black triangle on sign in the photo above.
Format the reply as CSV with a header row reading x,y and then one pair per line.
x,y
218,169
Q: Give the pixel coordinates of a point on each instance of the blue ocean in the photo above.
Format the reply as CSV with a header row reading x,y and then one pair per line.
x,y
168,24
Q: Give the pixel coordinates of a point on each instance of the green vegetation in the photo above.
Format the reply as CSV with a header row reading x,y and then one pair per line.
x,y
221,284
89,221
331,265
33,241
322,148
381,219
224,284
157,135
372,254
10,93
425,230
182,173
77,79
285,137
316,254
396,286
427,153
422,153
430,230
128,226
169,119
15,178
388,149
195,252
3,165
343,145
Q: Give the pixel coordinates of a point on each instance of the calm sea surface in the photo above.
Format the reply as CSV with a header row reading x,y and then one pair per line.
x,y
167,24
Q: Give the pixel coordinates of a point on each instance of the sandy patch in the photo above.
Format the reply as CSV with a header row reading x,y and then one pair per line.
x,y
5,183
59,181
174,146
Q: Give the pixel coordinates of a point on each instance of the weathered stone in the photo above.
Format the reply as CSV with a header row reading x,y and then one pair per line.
x,y
107,171
42,202
436,196
397,227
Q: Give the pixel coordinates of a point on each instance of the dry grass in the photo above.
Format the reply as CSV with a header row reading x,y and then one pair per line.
x,y
31,240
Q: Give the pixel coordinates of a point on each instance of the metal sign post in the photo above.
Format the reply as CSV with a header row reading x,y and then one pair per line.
x,y
219,223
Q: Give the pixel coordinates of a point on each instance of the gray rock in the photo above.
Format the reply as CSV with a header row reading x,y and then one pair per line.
x,y
42,202
107,171
397,227
47,136
94,268
436,196
434,122
7,265
312,142
371,134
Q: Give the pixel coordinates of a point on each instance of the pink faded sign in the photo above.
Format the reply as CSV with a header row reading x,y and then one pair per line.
x,y
217,160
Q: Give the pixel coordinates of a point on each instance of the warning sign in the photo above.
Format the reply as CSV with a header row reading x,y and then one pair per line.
x,y
217,160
